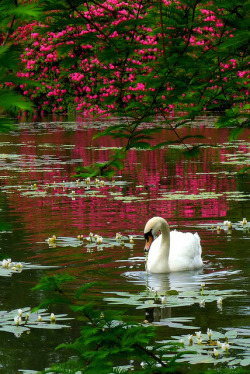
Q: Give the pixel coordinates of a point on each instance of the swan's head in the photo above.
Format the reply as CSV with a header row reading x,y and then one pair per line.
x,y
153,226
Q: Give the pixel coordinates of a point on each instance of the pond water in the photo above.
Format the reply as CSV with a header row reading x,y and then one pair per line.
x,y
40,198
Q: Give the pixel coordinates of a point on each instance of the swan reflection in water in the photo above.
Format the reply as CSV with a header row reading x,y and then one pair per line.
x,y
161,284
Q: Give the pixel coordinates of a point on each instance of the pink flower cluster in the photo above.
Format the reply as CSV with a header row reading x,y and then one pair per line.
x,y
85,84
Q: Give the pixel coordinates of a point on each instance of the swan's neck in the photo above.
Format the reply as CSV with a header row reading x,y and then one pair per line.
x,y
165,239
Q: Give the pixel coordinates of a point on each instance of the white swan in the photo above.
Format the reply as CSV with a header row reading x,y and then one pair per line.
x,y
171,251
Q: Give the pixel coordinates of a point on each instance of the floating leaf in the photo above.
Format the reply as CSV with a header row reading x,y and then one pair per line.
x,y
29,320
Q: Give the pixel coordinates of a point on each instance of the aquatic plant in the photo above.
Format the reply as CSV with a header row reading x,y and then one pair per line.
x,y
106,339
9,267
19,321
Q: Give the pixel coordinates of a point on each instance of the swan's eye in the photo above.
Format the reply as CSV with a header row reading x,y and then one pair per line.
x,y
148,235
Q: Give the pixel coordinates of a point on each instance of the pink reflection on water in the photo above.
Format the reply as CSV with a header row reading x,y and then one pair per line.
x,y
46,156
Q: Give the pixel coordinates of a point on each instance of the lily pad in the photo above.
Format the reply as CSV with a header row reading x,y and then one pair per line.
x,y
22,320
9,267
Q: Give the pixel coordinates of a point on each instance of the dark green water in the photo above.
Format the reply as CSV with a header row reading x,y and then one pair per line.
x,y
39,198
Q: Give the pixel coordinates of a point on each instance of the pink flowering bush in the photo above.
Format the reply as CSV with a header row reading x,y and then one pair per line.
x,y
135,57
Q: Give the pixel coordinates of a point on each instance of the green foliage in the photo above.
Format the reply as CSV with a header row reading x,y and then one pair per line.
x,y
190,70
12,15
106,343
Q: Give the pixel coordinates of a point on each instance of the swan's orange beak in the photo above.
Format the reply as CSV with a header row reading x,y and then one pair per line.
x,y
148,243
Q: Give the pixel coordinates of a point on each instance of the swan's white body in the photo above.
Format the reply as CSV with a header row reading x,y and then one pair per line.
x,y
172,251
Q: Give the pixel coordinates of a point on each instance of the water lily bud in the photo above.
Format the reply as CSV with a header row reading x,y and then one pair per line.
x,y
52,239
52,318
219,344
20,312
190,339
209,333
131,239
27,316
39,318
118,236
5,264
198,334
19,265
17,320
216,353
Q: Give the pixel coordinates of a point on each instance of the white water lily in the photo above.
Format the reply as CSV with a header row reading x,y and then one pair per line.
x,y
228,223
99,240
202,303
181,341
87,180
244,221
102,183
19,265
6,263
39,318
198,334
17,320
131,239
199,341
163,299
219,301
225,346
